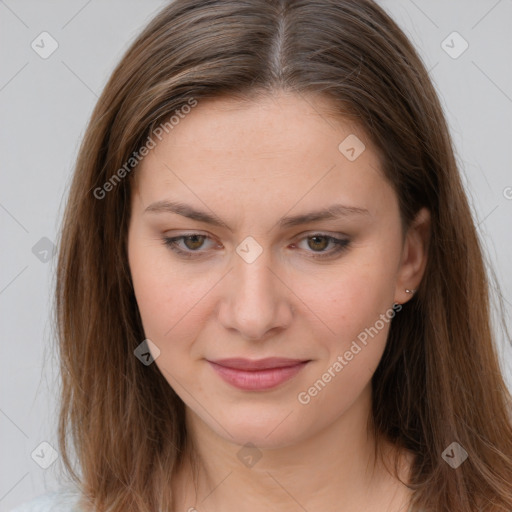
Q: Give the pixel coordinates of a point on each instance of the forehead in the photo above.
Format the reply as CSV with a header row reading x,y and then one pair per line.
x,y
273,151
278,123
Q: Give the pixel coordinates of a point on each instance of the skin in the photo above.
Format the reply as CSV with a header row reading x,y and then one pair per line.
x,y
251,164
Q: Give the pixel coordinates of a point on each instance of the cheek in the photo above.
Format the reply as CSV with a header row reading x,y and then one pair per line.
x,y
169,307
162,294
360,316
356,299
357,309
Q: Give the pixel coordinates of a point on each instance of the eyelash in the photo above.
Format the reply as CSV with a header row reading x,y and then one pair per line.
x,y
340,245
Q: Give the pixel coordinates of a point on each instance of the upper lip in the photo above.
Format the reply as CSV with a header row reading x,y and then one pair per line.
x,y
258,364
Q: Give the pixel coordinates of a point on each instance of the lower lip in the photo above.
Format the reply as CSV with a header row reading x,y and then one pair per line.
x,y
258,379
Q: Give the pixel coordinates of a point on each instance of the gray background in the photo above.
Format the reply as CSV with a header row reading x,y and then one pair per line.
x,y
44,108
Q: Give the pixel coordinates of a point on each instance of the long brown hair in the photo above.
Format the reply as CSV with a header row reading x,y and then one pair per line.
x,y
439,380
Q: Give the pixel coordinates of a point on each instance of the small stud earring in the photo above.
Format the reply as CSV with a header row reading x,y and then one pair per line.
x,y
409,291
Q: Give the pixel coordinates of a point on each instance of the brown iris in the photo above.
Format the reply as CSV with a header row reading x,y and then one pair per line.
x,y
196,241
321,246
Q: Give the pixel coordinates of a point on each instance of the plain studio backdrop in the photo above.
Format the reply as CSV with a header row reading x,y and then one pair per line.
x,y
55,59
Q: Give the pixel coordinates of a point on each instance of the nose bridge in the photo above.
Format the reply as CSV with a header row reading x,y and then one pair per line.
x,y
256,299
252,262
255,281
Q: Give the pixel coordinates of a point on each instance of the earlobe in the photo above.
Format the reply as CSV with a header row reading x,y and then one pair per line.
x,y
414,257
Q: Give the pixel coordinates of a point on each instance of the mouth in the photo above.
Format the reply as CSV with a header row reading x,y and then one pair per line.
x,y
256,375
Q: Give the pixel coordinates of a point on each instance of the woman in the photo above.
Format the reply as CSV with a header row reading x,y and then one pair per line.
x,y
271,294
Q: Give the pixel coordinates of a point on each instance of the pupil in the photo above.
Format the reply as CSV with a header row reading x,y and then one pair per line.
x,y
194,239
317,238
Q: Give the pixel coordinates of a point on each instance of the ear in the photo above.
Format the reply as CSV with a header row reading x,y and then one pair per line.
x,y
414,256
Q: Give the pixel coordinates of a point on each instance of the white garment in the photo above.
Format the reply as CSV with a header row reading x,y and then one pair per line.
x,y
64,499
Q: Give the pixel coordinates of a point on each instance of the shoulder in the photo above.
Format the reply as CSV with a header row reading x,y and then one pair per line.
x,y
64,499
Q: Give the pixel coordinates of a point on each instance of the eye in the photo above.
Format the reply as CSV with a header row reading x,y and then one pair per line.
x,y
319,242
192,241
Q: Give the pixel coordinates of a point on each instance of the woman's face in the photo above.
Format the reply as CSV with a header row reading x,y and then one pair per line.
x,y
257,274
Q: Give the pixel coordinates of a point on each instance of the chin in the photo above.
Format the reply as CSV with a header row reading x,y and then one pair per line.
x,y
267,427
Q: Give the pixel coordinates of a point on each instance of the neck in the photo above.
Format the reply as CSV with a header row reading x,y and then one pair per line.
x,y
334,469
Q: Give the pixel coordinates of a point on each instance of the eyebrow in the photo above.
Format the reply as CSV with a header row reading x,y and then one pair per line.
x,y
334,211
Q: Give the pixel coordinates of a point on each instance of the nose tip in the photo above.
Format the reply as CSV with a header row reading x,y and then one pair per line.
x,y
255,302
255,316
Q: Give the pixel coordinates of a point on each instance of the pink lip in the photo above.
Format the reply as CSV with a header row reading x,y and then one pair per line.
x,y
257,375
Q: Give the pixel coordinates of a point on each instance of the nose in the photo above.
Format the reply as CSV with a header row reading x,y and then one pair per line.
x,y
255,300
